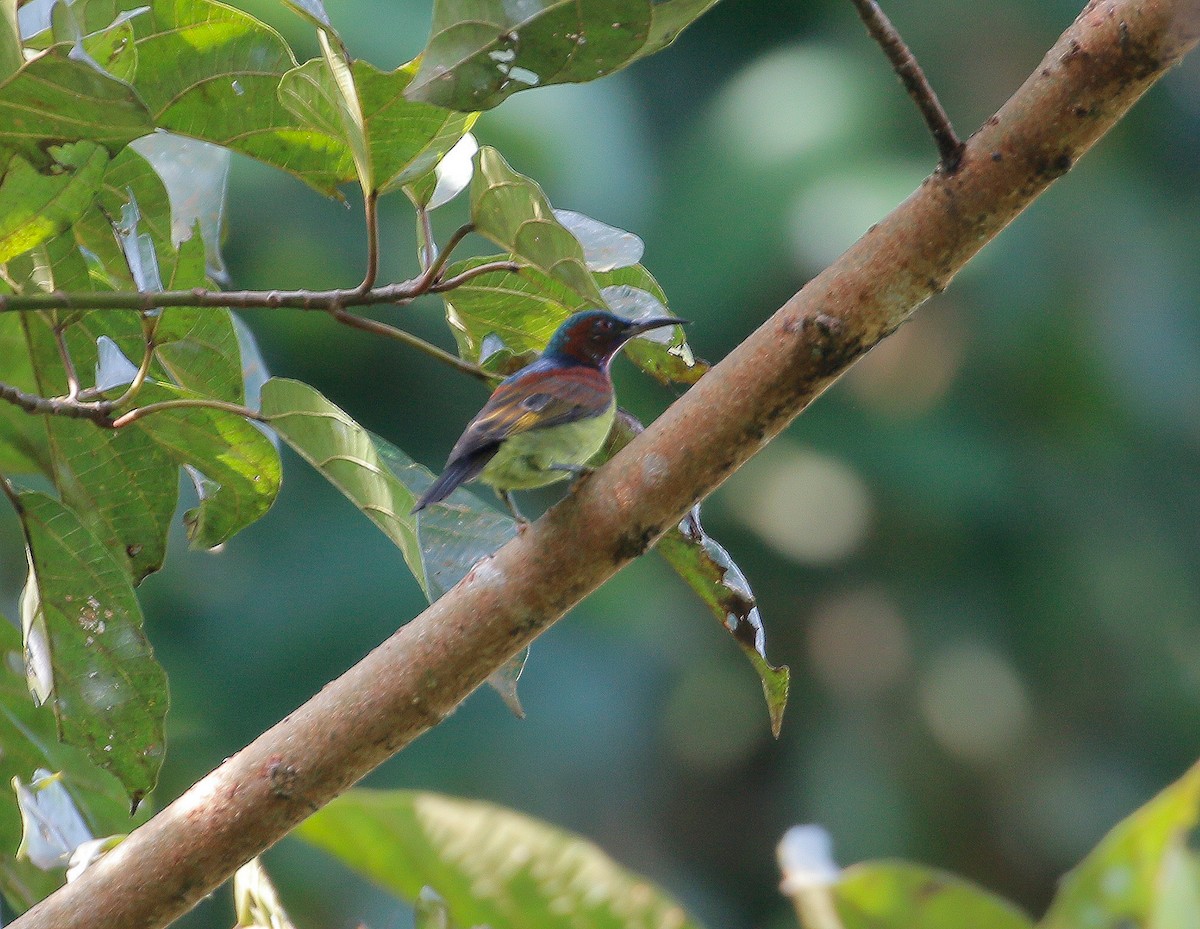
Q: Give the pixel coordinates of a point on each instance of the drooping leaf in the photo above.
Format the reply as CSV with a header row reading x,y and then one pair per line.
x,y
452,537
441,545
10,39
490,865
1145,872
51,825
512,211
256,901
449,179
898,895
384,483
37,205
108,693
605,247
707,568
195,175
23,445
401,141
57,97
668,19
239,465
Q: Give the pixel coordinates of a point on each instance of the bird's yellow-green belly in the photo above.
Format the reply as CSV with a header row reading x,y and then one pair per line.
x,y
523,459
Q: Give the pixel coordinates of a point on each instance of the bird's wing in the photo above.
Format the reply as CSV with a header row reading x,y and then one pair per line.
x,y
535,400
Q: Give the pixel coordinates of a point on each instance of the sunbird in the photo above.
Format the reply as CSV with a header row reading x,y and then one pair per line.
x,y
545,422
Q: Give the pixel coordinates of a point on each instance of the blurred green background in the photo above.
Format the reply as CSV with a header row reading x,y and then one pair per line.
x,y
978,552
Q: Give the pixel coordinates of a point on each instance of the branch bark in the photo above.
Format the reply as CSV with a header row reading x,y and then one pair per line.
x,y
1104,62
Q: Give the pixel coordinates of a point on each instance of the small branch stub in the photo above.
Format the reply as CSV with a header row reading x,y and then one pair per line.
x,y
904,63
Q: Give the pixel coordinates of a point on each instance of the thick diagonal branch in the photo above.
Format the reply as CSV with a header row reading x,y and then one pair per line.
x,y
1101,65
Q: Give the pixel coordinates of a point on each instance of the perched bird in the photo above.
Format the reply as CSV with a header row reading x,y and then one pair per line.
x,y
543,423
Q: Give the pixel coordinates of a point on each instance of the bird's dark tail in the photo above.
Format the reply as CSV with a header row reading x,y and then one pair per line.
x,y
456,473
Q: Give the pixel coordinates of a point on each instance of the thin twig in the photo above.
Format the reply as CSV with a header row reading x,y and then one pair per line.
x,y
68,363
425,230
371,203
371,325
904,63
186,403
435,267
72,408
460,279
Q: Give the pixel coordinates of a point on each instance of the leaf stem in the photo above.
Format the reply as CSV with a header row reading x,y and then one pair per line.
x,y
68,363
425,231
459,279
184,403
372,325
904,63
371,204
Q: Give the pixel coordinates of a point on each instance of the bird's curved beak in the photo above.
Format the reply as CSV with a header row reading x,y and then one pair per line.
x,y
637,327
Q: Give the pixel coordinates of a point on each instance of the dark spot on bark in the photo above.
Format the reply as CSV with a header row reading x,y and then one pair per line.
x,y
996,156
282,776
828,346
1054,166
993,121
632,544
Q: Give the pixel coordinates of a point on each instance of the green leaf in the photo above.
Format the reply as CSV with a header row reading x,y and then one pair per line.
x,y
238,466
195,176
312,10
384,483
23,444
120,484
56,97
512,211
256,901
403,141
707,568
523,310
10,39
482,51
212,72
85,630
897,895
1145,872
30,741
492,866
669,18
669,361
37,205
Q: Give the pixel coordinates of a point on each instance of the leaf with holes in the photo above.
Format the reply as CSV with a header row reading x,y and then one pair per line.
x,y
108,693
28,734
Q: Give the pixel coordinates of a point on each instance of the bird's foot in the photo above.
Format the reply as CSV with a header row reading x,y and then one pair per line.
x,y
579,473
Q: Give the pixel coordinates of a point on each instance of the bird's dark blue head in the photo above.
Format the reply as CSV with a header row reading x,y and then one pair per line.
x,y
593,336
